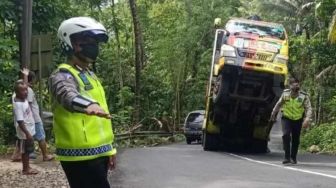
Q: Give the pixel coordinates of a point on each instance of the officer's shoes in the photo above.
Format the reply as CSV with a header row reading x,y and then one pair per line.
x,y
286,161
294,161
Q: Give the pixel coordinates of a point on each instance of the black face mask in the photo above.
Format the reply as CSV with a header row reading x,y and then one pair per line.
x,y
90,50
295,89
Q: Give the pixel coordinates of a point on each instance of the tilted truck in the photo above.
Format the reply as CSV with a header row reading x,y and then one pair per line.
x,y
248,74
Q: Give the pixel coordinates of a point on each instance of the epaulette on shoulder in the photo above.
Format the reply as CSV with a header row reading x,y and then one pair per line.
x,y
65,72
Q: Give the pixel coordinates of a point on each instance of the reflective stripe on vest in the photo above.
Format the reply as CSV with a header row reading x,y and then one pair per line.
x,y
293,108
84,152
79,136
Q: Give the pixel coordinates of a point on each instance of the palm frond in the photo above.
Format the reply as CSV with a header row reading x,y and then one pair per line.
x,y
293,4
327,71
279,8
306,8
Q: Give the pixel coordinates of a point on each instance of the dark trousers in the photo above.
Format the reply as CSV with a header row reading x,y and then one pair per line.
x,y
291,130
87,174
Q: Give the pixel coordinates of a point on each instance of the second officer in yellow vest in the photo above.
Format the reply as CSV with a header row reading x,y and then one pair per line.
x,y
296,113
82,123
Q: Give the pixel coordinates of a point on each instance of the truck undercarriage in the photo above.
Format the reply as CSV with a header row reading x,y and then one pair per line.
x,y
242,102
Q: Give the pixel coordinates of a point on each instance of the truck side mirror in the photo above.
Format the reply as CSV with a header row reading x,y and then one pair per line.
x,y
222,34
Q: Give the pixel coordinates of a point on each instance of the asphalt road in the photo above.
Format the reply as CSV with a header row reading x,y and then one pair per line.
x,y
183,166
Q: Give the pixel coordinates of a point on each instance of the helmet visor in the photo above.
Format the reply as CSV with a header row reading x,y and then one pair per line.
x,y
99,35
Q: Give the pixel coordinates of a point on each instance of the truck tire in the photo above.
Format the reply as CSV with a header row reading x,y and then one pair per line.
x,y
260,146
210,142
221,89
188,141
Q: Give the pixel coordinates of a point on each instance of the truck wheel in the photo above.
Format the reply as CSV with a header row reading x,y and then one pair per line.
x,y
260,146
220,90
210,142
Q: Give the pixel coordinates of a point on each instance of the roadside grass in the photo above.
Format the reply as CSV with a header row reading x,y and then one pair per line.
x,y
320,139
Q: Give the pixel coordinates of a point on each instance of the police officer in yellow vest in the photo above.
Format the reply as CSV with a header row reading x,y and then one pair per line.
x,y
296,113
82,123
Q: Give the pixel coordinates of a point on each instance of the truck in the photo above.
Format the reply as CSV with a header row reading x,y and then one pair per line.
x,y
249,69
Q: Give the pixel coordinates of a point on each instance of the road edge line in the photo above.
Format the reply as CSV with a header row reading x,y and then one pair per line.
x,y
284,167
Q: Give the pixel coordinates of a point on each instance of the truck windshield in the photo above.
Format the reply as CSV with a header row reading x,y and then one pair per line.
x,y
261,30
195,118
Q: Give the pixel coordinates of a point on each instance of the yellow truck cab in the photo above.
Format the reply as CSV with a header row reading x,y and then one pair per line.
x,y
247,77
256,45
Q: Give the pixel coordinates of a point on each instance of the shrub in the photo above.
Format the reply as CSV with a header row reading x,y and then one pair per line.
x,y
322,136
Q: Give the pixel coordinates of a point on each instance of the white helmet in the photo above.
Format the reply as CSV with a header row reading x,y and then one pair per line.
x,y
85,25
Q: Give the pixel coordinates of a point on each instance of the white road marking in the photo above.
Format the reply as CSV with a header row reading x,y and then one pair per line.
x,y
281,166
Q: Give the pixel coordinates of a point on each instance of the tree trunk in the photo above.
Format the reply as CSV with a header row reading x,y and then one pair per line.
x,y
306,59
139,57
25,33
116,29
318,107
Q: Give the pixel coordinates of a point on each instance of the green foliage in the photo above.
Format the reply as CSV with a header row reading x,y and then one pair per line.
x,y
324,9
48,14
329,105
7,130
322,136
8,17
8,66
122,117
8,73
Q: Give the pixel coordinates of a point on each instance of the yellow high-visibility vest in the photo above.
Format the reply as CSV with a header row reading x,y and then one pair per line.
x,y
293,108
79,136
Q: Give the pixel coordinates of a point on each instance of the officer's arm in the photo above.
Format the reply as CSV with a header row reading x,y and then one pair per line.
x,y
308,110
277,106
64,89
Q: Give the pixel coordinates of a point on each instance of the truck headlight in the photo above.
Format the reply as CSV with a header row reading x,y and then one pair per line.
x,y
281,59
228,51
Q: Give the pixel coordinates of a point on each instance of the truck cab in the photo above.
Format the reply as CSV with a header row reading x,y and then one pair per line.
x,y
255,45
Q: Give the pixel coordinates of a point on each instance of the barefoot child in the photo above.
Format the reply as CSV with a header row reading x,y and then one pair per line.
x,y
29,78
24,124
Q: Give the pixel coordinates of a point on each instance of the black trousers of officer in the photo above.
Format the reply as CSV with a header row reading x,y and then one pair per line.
x,y
87,174
291,130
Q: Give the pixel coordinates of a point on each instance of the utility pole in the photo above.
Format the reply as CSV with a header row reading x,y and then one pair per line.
x,y
25,33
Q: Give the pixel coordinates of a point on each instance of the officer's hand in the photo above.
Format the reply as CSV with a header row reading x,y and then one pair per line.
x,y
112,162
305,124
272,118
95,109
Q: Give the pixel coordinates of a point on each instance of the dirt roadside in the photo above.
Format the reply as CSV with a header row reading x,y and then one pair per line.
x,y
50,174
